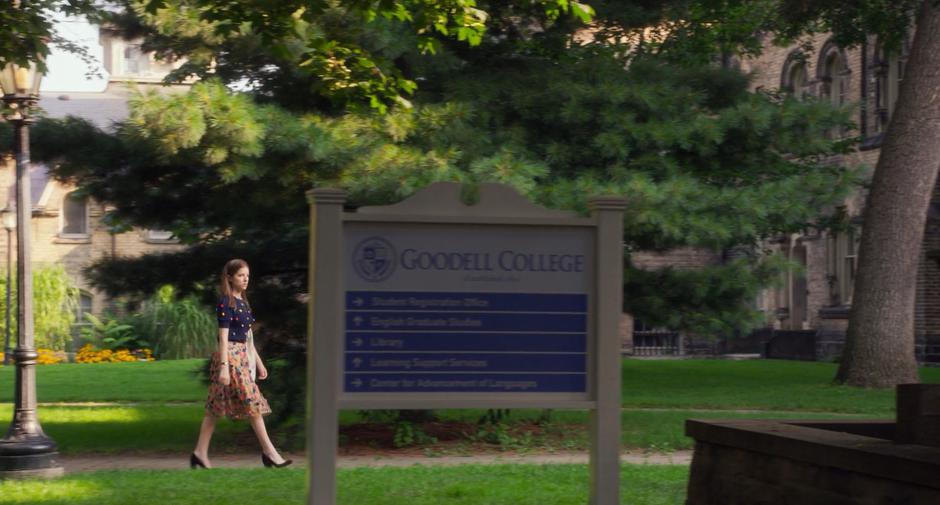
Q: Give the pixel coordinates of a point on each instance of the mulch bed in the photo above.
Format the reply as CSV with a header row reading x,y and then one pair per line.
x,y
374,438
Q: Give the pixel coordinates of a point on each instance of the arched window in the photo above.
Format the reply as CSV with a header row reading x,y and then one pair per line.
x,y
834,75
795,80
74,215
889,72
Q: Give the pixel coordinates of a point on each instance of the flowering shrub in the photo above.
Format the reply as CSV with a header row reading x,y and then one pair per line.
x,y
88,354
49,357
46,357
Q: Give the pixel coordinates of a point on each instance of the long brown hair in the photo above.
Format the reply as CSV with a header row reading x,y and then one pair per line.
x,y
225,286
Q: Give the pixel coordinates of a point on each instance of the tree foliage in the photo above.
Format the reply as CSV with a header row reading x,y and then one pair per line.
x,y
55,303
29,29
313,53
703,161
850,22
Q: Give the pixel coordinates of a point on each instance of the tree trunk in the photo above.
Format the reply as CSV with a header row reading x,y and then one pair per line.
x,y
879,348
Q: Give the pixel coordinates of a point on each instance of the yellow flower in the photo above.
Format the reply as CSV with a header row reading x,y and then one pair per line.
x,y
88,354
49,357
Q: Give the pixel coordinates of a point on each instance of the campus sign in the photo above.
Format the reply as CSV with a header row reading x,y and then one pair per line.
x,y
432,303
438,308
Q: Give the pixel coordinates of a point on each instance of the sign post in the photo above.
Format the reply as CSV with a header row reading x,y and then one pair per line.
x,y
432,303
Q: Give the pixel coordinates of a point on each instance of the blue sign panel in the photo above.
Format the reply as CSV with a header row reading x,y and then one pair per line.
x,y
400,341
465,362
470,341
463,321
466,383
472,302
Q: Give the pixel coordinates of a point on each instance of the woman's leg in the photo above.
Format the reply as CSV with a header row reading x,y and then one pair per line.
x,y
257,424
205,436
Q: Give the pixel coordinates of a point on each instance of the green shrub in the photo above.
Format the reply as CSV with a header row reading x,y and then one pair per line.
x,y
55,303
178,329
110,333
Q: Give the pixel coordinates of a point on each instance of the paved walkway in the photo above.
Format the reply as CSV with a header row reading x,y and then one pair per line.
x,y
75,464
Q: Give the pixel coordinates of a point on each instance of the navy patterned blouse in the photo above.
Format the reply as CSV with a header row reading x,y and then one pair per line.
x,y
238,319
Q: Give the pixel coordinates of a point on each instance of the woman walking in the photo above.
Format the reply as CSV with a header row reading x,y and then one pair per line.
x,y
232,391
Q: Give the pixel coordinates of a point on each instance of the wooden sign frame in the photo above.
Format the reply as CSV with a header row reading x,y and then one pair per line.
x,y
440,204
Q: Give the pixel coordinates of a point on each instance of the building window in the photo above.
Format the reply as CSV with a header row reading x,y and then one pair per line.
x,y
136,62
889,72
159,236
84,306
842,265
834,76
781,293
795,80
74,214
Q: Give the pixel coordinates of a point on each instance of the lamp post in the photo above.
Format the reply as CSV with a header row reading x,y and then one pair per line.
x,y
26,451
9,222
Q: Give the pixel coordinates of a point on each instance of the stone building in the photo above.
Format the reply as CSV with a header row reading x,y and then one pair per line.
x,y
807,316
67,229
813,305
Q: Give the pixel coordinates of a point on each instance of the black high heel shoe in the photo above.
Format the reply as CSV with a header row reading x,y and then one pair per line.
x,y
268,463
195,462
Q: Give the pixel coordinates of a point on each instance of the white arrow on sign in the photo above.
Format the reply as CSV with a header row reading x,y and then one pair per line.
x,y
356,382
358,302
356,362
357,321
357,342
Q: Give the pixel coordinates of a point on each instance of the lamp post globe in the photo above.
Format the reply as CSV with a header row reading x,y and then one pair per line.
x,y
25,451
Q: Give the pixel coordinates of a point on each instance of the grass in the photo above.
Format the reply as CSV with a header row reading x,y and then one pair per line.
x,y
173,428
157,406
157,381
136,428
682,384
463,485
751,384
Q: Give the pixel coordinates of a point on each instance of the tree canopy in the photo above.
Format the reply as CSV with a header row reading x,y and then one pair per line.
x,y
29,29
541,103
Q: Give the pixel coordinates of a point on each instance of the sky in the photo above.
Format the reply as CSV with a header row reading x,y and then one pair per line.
x,y
67,71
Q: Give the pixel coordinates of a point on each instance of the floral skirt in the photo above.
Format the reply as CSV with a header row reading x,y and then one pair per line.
x,y
241,399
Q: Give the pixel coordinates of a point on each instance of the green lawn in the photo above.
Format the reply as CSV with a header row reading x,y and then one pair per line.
x,y
463,485
158,405
134,428
683,384
157,381
751,384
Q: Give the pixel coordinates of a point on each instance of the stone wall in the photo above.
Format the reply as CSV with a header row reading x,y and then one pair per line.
x,y
808,463
683,258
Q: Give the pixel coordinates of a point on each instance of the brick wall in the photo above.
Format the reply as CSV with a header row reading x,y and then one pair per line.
x,y
927,309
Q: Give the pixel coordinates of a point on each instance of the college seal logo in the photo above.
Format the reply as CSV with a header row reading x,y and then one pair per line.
x,y
374,259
